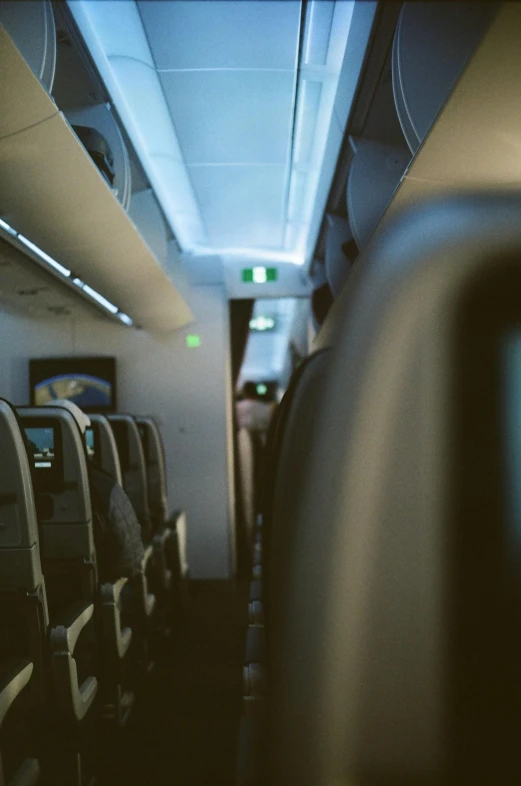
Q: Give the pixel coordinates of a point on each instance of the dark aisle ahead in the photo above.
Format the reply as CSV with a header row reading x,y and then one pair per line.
x,y
183,729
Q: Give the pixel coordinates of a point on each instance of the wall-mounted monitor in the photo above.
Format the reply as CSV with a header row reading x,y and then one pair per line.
x,y
90,382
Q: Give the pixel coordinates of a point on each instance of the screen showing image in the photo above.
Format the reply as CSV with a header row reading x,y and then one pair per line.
x,y
88,382
41,444
90,442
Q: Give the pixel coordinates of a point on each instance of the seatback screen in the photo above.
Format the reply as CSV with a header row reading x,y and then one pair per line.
x,y
42,442
90,442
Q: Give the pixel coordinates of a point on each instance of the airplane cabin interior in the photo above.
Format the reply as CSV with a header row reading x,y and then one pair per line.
x,y
260,393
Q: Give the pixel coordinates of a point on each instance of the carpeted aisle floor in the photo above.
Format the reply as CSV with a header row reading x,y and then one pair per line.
x,y
183,729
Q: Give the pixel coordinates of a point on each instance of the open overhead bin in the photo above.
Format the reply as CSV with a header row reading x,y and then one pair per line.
x,y
31,26
374,175
432,44
474,142
51,192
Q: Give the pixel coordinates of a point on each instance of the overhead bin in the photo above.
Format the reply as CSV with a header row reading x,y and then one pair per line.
x,y
31,26
432,44
101,118
474,142
374,175
51,192
338,258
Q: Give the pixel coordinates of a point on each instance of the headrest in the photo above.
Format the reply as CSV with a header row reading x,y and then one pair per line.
x,y
401,589
79,415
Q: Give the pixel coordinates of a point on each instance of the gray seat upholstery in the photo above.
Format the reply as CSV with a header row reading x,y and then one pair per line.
x,y
67,548
169,538
70,568
105,451
133,468
290,454
397,653
22,596
247,485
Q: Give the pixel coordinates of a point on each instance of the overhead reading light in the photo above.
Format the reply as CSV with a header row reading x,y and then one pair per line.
x,y
262,323
66,273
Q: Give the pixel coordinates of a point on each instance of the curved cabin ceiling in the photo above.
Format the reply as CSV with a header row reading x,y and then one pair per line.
x,y
236,110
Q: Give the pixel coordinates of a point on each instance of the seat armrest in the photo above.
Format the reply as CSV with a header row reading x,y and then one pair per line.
x,y
73,700
110,592
116,640
177,521
255,613
174,517
161,537
147,556
64,637
160,543
13,679
255,644
147,600
28,774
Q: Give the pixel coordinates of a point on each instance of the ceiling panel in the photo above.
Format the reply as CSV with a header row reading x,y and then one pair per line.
x,y
141,88
222,33
231,116
241,206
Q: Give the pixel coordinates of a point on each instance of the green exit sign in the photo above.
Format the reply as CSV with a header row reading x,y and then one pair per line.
x,y
259,275
193,341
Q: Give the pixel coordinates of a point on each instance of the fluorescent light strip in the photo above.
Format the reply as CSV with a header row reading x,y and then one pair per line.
x,y
66,273
100,299
247,255
46,258
7,228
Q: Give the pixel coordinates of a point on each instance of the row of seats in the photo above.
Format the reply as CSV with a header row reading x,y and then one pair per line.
x,y
387,647
73,649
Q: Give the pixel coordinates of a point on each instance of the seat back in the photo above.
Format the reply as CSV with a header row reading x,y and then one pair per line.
x,y
24,618
153,450
22,586
292,439
102,448
19,545
57,451
401,650
245,447
133,467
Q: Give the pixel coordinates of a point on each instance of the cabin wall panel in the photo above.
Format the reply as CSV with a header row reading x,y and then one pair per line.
x,y
187,389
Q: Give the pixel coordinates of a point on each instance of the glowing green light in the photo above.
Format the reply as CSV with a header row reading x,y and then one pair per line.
x,y
193,341
262,389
